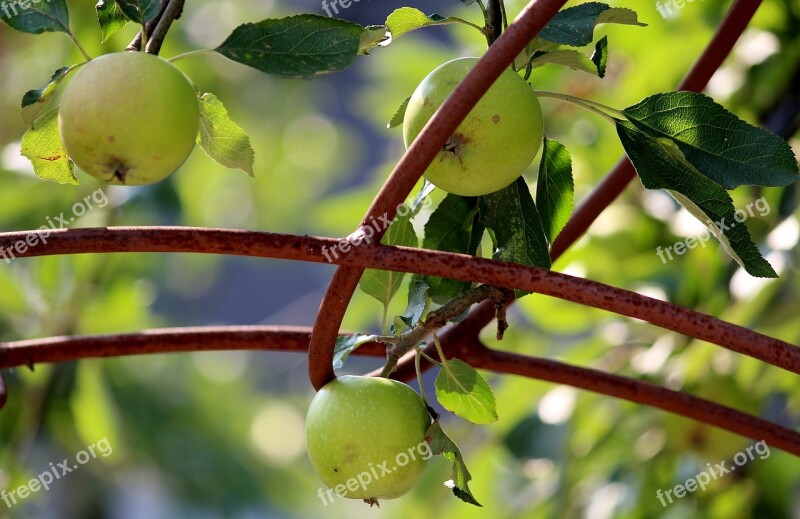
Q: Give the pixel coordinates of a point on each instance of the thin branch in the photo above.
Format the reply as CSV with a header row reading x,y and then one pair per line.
x,y
295,339
169,14
728,33
648,394
436,320
323,337
460,267
164,340
494,18
414,162
149,27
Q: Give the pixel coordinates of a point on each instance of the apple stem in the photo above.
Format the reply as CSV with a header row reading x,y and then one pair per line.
x,y
189,54
593,106
80,47
419,377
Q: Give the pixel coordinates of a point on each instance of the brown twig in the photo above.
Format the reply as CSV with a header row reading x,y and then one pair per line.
x,y
164,340
436,320
172,12
414,162
295,339
494,20
158,27
3,392
646,393
421,261
136,44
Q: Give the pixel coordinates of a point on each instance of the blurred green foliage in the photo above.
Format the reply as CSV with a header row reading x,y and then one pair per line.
x,y
221,434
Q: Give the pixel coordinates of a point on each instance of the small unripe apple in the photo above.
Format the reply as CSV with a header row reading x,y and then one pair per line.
x,y
129,118
494,144
366,437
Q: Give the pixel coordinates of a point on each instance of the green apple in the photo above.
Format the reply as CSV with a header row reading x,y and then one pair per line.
x,y
366,437
129,118
494,144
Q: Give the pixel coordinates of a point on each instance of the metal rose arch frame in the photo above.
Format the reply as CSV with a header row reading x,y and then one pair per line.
x,y
459,340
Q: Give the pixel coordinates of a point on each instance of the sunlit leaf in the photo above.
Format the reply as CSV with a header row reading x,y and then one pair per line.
x,y
221,138
440,443
110,17
463,391
660,164
42,145
35,101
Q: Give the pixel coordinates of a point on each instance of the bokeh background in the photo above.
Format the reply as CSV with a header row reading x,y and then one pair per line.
x,y
210,435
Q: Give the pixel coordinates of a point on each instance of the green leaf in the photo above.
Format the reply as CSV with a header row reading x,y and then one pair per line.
x,y
347,345
440,443
372,36
600,56
422,199
660,164
575,26
417,303
407,19
399,115
35,101
463,391
621,16
555,189
221,138
110,17
140,11
295,47
383,284
571,58
721,146
453,227
37,17
511,214
42,145
535,47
